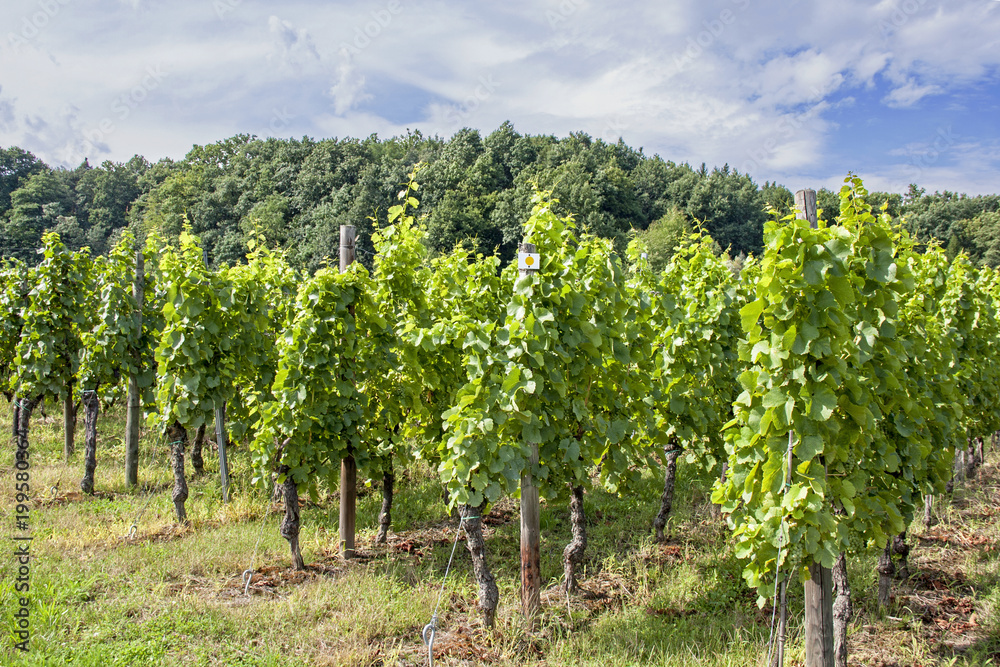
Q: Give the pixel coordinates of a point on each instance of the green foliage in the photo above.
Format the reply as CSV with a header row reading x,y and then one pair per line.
x,y
41,202
948,216
664,236
731,208
922,424
194,372
317,415
969,310
262,296
113,346
15,165
16,280
777,197
104,196
476,191
556,373
693,330
979,237
824,369
171,205
59,304
393,387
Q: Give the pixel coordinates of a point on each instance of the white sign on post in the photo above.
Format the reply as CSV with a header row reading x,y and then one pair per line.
x,y
528,260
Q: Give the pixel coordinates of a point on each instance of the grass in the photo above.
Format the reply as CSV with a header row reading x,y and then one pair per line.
x,y
173,595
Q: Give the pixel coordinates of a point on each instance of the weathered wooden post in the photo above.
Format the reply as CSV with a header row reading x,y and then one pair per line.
x,y
805,207
134,401
348,466
220,438
531,572
69,423
819,588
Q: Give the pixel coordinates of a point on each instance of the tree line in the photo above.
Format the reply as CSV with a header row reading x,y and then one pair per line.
x,y
476,191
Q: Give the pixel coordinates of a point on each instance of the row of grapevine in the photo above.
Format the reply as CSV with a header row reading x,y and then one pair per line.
x,y
865,366
866,356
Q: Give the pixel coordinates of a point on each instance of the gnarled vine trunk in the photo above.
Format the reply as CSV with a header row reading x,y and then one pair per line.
x,y
91,405
290,522
902,549
23,422
17,415
277,491
69,423
177,436
385,516
489,595
573,553
973,459
928,511
197,460
842,610
670,454
886,570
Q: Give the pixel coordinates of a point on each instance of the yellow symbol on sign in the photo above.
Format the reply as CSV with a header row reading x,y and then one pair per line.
x,y
528,260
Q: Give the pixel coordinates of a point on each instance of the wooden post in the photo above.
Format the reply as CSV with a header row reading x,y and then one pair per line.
x,y
531,571
819,617
348,466
134,402
16,404
805,206
69,423
819,588
220,438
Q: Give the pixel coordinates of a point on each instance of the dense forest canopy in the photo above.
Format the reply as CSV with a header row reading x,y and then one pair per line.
x,y
474,191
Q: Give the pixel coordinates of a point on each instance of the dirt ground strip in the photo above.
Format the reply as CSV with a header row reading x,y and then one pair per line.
x,y
937,603
935,614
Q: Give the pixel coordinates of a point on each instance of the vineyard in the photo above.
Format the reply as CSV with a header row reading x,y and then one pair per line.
x,y
700,458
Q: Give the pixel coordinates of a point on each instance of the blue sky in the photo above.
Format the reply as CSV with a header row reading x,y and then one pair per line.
x,y
796,91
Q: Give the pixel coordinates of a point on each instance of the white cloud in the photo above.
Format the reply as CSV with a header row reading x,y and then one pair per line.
x,y
752,84
349,90
970,167
291,46
909,94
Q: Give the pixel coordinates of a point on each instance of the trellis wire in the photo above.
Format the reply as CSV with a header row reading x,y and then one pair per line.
x,y
248,573
431,628
777,562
